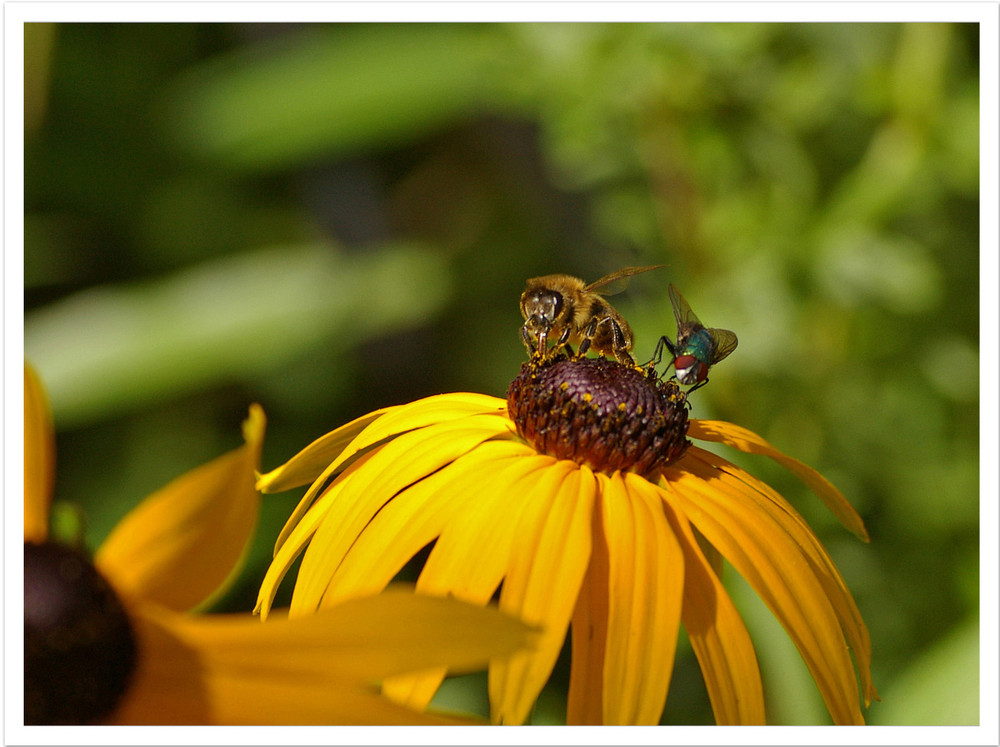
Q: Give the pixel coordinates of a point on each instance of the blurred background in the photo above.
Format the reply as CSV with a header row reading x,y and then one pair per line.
x,y
329,219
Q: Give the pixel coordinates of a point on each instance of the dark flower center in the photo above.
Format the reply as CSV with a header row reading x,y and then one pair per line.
x,y
600,413
79,649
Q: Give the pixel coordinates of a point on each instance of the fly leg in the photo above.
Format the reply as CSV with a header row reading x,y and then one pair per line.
x,y
699,385
664,342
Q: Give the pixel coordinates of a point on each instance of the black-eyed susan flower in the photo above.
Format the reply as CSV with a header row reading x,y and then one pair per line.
x,y
111,640
582,500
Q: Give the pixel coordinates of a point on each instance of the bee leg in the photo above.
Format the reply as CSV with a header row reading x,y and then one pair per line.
x,y
529,341
535,345
624,357
588,335
563,338
617,336
619,343
561,343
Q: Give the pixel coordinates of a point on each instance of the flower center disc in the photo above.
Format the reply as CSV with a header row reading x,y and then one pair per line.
x,y
79,649
599,413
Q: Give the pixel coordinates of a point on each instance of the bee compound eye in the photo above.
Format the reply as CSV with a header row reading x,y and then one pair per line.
x,y
545,303
555,300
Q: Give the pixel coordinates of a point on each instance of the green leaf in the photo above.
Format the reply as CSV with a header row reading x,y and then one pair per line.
x,y
119,347
331,91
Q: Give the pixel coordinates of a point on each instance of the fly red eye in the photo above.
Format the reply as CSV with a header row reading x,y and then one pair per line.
x,y
684,361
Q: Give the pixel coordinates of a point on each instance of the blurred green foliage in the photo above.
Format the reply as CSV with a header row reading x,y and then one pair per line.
x,y
331,219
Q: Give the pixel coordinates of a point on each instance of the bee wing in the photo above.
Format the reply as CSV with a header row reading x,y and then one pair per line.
x,y
725,343
616,281
682,310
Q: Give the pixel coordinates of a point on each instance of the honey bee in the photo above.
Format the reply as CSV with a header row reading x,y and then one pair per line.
x,y
565,308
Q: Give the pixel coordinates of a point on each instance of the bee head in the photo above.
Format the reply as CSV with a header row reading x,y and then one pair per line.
x,y
541,307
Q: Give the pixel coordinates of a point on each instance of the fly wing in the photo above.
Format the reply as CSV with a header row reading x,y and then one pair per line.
x,y
616,281
725,343
682,311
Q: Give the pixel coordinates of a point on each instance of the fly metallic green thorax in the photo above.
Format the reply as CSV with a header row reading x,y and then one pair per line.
x,y
698,344
698,347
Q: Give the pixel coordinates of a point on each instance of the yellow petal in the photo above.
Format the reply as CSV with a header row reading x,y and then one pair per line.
x,y
168,685
369,429
779,570
332,453
823,566
435,410
416,516
646,573
309,463
369,638
585,704
473,551
300,535
230,669
39,458
749,442
548,561
184,543
392,467
239,699
718,636
429,412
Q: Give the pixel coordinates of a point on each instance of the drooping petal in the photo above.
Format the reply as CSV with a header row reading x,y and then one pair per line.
x,y
309,463
822,564
778,569
39,458
373,637
318,670
548,561
416,516
585,704
473,551
394,466
749,442
183,544
358,449
299,538
339,447
718,636
646,574
435,410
